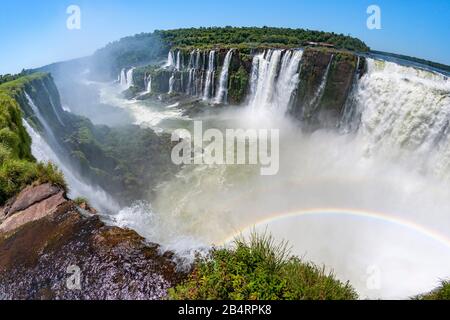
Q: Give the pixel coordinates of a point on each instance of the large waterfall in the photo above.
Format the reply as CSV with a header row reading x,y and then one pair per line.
x,y
126,78
197,76
272,84
222,93
408,109
209,82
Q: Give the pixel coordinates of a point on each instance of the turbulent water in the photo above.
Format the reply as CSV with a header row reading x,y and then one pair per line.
x,y
370,200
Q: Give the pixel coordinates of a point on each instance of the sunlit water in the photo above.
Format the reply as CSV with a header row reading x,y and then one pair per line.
x,y
373,204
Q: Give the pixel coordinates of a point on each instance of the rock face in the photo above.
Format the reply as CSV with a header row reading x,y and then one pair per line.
x,y
59,251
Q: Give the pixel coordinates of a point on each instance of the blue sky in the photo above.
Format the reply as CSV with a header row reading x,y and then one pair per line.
x,y
34,33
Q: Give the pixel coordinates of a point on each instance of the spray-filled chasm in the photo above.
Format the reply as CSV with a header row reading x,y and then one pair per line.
x,y
368,197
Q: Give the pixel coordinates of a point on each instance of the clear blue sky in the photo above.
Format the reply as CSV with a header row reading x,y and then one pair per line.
x,y
34,33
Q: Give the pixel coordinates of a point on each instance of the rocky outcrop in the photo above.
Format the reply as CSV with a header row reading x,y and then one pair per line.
x,y
56,250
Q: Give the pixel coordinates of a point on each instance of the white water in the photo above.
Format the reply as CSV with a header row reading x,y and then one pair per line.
x,y
149,84
395,165
178,64
123,78
320,90
272,85
209,82
222,93
406,110
130,78
50,98
171,83
143,114
170,60
126,78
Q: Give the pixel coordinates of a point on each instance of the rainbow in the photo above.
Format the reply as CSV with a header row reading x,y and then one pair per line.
x,y
428,232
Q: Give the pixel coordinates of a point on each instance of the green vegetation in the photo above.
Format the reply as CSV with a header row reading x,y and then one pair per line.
x,y
259,269
256,37
18,168
440,293
416,60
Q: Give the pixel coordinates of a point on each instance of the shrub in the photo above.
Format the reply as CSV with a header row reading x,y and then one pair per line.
x,y
440,293
258,269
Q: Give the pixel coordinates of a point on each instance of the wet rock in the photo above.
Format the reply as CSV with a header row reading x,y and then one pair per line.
x,y
60,253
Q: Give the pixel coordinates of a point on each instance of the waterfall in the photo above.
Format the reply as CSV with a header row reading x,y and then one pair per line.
x,y
129,81
55,111
288,80
170,60
209,82
222,94
149,84
178,64
37,112
351,114
274,79
43,152
403,106
319,92
123,78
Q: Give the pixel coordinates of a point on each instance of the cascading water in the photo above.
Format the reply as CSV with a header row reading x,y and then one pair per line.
x,y
320,90
126,78
272,85
340,199
408,109
222,93
77,188
288,80
178,64
123,78
210,73
129,81
171,83
52,104
148,85
170,60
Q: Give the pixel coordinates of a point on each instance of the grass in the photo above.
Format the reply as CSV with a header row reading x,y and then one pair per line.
x,y
259,269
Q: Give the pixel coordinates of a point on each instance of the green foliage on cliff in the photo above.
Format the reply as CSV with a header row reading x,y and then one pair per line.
x,y
238,85
259,269
255,37
440,293
18,168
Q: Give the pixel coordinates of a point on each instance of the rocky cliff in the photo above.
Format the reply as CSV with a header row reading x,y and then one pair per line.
x,y
50,248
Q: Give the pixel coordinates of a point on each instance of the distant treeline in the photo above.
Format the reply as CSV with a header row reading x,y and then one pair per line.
x,y
413,59
252,36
